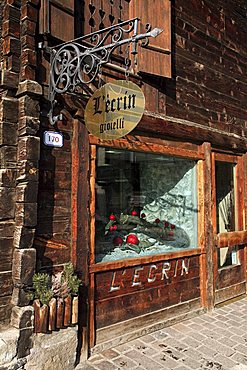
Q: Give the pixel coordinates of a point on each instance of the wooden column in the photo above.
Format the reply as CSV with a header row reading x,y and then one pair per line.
x,y
92,243
207,257
80,225
244,197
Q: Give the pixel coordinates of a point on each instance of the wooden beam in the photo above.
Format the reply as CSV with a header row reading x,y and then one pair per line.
x,y
80,225
107,266
214,217
192,131
201,229
80,199
92,246
230,292
239,193
230,239
244,213
125,331
222,157
207,260
138,143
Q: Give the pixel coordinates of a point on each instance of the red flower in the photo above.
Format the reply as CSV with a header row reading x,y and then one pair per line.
x,y
157,221
112,217
111,228
134,213
132,239
117,241
114,227
166,224
173,227
170,233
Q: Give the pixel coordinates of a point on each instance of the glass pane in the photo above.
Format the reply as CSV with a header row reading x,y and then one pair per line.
x,y
225,196
228,256
145,204
225,205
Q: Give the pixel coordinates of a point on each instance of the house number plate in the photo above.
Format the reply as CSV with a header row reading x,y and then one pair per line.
x,y
52,138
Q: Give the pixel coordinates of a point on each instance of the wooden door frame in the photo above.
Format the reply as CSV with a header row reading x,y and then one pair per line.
x,y
228,239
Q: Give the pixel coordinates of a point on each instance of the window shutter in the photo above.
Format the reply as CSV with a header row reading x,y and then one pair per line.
x,y
100,14
60,19
156,57
57,19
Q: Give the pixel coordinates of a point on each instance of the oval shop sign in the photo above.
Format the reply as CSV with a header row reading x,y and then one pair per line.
x,y
114,110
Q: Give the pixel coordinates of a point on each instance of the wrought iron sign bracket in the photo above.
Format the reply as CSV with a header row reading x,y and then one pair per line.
x,y
79,61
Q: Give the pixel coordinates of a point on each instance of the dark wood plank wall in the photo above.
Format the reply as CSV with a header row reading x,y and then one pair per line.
x,y
210,65
1,27
53,233
126,293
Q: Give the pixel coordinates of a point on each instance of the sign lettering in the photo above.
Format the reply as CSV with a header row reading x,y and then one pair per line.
x,y
114,110
164,271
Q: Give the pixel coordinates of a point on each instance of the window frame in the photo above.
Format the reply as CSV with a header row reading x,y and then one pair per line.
x,y
238,237
154,146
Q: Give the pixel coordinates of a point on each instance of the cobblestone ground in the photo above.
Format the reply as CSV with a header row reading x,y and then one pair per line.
x,y
216,340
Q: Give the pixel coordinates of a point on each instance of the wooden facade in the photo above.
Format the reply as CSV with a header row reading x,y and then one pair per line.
x,y
193,78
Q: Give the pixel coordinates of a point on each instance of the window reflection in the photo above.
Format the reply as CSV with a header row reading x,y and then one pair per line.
x,y
145,204
225,208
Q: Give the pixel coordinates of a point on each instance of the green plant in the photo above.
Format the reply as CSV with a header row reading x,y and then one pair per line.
x,y
42,288
70,278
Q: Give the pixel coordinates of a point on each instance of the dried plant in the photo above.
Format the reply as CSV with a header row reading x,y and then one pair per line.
x,y
65,283
61,285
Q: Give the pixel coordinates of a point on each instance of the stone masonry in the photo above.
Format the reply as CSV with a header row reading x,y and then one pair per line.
x,y
19,157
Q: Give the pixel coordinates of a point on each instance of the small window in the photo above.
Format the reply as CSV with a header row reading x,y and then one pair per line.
x,y
225,196
145,204
226,209
227,256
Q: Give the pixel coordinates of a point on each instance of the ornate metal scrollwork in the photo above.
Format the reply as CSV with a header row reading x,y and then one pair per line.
x,y
78,62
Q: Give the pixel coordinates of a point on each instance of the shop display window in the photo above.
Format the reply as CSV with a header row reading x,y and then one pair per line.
x,y
226,209
145,204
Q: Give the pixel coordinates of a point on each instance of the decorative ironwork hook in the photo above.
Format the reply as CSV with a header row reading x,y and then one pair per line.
x,y
79,61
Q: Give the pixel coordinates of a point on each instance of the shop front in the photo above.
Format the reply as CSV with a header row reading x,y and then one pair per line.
x,y
146,253
123,155
157,224
164,224
167,239
157,183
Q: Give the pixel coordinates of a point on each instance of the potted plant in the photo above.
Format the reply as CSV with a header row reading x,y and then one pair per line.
x,y
55,299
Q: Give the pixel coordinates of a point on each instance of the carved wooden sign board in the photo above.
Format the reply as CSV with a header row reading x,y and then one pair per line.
x,y
114,110
128,292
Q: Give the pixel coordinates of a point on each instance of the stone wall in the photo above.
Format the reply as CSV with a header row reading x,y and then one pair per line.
x,y
19,180
19,158
10,56
56,351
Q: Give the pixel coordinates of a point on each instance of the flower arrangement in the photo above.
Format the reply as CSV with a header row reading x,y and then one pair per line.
x,y
126,231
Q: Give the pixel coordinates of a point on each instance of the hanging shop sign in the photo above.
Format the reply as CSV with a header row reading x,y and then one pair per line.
x,y
114,110
52,138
